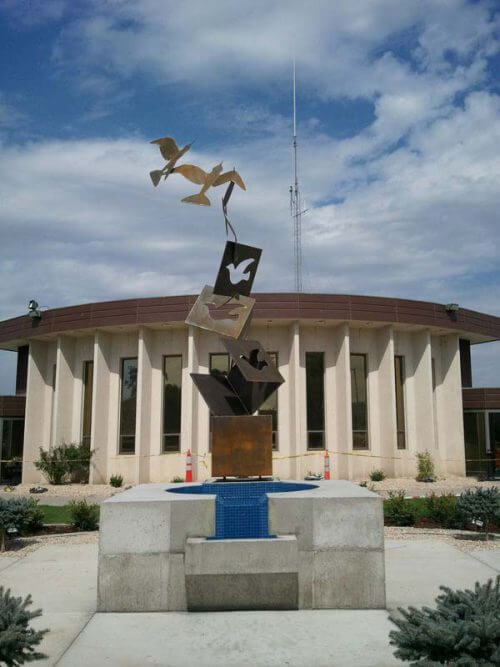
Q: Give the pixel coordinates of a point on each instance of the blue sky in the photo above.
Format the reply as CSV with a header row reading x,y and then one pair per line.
x,y
399,135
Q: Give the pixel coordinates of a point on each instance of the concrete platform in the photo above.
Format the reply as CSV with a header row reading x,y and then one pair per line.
x,y
62,580
148,560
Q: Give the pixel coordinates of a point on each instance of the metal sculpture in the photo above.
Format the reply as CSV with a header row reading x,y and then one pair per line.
x,y
241,442
171,153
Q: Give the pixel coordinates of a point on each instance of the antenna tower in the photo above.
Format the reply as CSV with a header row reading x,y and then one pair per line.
x,y
295,203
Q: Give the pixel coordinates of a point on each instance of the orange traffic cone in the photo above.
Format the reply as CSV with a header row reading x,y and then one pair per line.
x,y
189,466
326,474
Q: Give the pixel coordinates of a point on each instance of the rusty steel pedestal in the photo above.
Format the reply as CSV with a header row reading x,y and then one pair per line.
x,y
242,446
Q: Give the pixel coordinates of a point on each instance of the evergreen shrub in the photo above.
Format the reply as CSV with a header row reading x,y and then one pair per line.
x,y
20,514
425,467
84,515
463,629
17,639
482,505
377,475
116,480
443,510
397,510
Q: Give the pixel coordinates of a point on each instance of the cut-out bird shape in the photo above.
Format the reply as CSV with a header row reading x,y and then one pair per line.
x,y
171,153
207,180
239,272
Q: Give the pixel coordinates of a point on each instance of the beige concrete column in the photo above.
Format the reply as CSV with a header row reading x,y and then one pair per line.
x,y
100,409
63,397
386,400
420,419
143,418
190,402
38,412
297,400
450,408
343,419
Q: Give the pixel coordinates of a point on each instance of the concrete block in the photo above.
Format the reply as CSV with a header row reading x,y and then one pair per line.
x,y
348,523
349,580
190,518
306,559
133,582
137,528
231,592
292,514
176,594
278,554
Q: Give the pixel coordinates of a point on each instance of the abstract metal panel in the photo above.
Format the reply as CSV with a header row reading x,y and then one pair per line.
x,y
218,394
218,313
242,446
237,270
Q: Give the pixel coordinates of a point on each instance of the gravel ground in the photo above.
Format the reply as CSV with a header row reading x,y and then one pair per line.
x,y
454,485
466,540
65,493
22,546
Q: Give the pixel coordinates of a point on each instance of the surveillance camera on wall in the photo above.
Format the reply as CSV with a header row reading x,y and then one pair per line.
x,y
33,310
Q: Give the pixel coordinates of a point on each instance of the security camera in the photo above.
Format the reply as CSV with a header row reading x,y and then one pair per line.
x,y
33,310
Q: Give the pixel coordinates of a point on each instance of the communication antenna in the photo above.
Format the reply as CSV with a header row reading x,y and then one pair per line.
x,y
295,202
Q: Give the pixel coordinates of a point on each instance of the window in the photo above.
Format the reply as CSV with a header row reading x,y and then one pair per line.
x,y
270,405
219,363
399,372
88,378
11,449
128,406
172,394
315,397
359,402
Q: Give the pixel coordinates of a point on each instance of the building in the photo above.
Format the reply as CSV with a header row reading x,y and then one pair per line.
x,y
374,380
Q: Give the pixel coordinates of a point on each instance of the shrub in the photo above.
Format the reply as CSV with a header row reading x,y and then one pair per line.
x,y
67,461
481,505
425,466
21,514
377,475
17,639
463,629
443,510
116,480
397,511
84,516
177,480
78,461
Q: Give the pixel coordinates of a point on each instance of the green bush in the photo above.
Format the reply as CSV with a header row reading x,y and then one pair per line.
x,y
481,505
463,629
398,511
78,461
116,480
377,475
425,465
84,516
67,462
443,510
17,639
21,514
177,480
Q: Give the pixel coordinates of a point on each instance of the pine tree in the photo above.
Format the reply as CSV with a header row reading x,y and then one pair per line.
x,y
464,629
480,505
17,640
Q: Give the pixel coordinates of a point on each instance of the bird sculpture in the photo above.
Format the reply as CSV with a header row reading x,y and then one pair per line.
x,y
239,272
171,153
206,180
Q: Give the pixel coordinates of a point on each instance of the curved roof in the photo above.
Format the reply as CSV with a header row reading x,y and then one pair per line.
x,y
477,327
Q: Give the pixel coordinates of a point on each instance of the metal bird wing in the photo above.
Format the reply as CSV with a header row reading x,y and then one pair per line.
x,y
192,173
168,147
229,176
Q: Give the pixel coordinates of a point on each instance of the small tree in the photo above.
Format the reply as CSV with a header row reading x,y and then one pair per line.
x,y
53,465
67,461
84,516
464,629
17,640
425,466
481,505
19,514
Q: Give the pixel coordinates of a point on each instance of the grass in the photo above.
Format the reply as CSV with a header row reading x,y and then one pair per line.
x,y
54,514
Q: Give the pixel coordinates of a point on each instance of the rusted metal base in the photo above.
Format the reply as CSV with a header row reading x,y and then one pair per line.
x,y
242,446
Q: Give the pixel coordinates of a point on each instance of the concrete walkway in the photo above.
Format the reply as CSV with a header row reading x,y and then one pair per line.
x,y
62,580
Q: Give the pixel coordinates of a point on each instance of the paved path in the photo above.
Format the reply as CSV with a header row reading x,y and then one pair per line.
x,y
62,580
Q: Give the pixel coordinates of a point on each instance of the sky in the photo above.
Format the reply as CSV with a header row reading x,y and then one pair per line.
x,y
398,137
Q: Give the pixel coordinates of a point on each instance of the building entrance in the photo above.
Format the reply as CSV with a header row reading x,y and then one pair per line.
x,y
11,449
